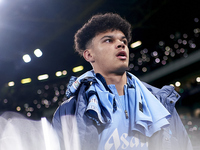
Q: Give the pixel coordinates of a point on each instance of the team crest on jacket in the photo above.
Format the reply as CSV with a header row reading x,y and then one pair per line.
x,y
76,84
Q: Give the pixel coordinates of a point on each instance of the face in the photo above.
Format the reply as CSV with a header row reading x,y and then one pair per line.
x,y
108,53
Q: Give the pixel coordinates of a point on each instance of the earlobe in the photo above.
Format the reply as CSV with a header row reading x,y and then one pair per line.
x,y
88,56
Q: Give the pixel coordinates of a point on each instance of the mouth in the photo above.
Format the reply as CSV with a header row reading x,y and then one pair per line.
x,y
122,55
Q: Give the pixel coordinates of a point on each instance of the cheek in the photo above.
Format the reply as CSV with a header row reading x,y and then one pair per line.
x,y
103,52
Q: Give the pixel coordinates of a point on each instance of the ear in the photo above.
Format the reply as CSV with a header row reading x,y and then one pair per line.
x,y
88,55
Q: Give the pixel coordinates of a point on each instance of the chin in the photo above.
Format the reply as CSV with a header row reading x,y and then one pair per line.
x,y
121,70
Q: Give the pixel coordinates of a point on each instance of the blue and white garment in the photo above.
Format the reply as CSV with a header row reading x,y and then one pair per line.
x,y
173,136
146,114
118,135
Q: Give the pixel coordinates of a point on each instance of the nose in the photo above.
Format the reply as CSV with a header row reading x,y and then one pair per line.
x,y
120,44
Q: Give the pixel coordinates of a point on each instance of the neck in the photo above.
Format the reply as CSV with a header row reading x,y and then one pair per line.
x,y
118,80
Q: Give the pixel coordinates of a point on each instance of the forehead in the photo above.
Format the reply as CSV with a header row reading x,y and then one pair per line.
x,y
110,33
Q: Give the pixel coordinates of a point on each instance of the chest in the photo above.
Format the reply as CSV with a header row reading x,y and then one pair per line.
x,y
117,135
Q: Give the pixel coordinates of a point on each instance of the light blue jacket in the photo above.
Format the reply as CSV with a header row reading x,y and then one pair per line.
x,y
172,137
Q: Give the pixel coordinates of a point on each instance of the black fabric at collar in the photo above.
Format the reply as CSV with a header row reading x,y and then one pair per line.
x,y
129,84
103,81
128,75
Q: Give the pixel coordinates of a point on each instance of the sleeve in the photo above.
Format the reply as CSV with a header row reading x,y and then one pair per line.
x,y
66,108
175,136
179,133
62,121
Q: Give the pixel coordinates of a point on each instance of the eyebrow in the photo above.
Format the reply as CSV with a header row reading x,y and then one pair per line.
x,y
110,36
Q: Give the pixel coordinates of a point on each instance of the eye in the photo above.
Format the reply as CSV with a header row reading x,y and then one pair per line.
x,y
108,40
125,42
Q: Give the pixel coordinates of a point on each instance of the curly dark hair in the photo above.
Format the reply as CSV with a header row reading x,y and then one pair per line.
x,y
98,24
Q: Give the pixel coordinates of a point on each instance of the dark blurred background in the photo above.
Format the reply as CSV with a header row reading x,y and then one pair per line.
x,y
168,33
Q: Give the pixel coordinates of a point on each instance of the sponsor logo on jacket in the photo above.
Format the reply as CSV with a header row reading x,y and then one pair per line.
x,y
116,142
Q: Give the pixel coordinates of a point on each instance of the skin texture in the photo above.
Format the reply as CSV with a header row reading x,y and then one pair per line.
x,y
108,54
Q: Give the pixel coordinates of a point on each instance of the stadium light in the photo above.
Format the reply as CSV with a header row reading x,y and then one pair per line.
x,y
38,53
11,83
61,73
136,44
26,80
198,79
77,69
58,73
43,77
178,84
64,72
26,58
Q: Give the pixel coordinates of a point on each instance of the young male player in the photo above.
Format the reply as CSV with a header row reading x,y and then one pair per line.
x,y
113,109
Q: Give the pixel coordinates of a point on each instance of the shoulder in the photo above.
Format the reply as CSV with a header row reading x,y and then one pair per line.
x,y
66,108
166,95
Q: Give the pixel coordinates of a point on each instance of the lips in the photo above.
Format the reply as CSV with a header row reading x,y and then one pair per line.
x,y
121,55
